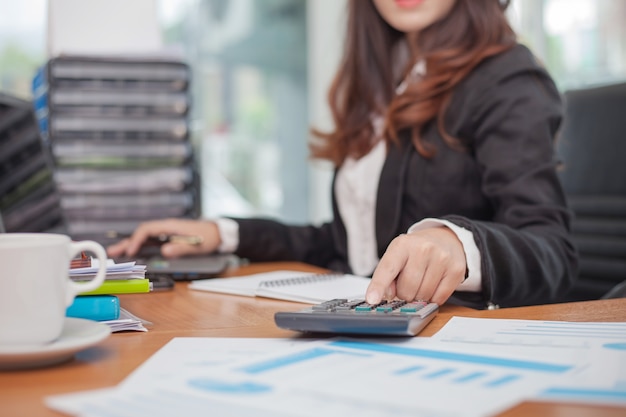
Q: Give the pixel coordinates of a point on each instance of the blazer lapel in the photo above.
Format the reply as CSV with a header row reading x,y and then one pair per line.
x,y
390,190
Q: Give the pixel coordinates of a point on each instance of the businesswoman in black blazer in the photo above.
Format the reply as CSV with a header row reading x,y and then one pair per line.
x,y
445,186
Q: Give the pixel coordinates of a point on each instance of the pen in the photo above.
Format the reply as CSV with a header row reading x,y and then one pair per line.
x,y
162,238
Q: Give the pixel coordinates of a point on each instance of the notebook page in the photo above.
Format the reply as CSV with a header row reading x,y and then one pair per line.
x,y
244,285
315,288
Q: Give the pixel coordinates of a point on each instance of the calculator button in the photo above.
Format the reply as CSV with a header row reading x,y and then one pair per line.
x,y
364,307
395,304
348,305
412,307
328,305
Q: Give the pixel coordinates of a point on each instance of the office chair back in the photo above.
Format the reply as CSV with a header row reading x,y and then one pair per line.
x,y
592,147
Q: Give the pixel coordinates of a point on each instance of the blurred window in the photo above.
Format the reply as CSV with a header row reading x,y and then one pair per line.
x,y
22,44
581,42
250,102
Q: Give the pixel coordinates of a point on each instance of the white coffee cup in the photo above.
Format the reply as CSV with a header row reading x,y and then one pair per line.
x,y
35,288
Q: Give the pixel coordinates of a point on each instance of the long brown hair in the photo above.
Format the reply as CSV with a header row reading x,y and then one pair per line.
x,y
365,82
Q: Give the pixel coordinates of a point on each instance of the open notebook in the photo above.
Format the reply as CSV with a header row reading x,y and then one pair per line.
x,y
289,285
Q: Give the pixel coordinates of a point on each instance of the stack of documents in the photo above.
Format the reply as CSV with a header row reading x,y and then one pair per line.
x,y
103,304
121,278
118,131
115,271
127,322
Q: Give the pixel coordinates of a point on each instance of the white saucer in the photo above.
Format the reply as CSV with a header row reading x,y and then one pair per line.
x,y
78,334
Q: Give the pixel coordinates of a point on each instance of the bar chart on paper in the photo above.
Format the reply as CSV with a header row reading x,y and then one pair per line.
x,y
532,333
341,377
600,344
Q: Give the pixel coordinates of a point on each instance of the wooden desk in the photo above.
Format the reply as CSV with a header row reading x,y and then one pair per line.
x,y
184,312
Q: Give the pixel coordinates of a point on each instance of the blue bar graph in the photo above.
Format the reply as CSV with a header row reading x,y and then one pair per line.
x,y
439,373
288,360
456,357
502,381
470,377
409,370
582,393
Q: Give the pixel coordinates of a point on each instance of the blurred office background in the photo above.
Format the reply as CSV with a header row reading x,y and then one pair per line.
x,y
261,69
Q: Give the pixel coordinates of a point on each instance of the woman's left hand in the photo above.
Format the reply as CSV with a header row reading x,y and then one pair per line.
x,y
427,264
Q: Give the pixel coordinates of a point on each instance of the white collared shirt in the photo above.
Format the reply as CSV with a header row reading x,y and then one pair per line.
x,y
356,193
356,187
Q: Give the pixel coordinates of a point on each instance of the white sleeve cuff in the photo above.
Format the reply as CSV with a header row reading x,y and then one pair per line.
x,y
473,282
229,235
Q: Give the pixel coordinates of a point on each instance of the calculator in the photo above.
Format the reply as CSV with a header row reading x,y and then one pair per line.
x,y
343,316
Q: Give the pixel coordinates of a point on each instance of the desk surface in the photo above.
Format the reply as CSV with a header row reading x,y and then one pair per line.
x,y
184,312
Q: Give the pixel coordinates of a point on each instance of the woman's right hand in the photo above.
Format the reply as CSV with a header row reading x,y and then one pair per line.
x,y
207,230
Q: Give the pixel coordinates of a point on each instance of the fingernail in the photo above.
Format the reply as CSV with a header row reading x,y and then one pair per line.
x,y
372,297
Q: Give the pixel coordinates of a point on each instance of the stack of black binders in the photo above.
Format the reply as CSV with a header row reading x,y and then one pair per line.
x,y
118,130
29,201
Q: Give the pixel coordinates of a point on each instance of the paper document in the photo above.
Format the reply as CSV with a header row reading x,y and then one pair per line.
x,y
289,285
600,344
127,322
340,377
114,271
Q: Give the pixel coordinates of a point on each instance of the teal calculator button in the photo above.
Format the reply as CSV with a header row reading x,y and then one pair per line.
x,y
408,309
363,308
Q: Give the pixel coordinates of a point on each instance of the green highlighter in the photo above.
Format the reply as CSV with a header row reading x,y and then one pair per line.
x,y
122,286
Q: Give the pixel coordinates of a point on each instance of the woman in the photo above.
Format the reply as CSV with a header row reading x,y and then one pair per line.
x,y
446,187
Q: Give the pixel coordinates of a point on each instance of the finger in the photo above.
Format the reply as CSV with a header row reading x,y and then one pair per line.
x,y
410,280
444,290
382,278
433,275
149,229
137,239
177,250
390,294
117,249
386,272
447,286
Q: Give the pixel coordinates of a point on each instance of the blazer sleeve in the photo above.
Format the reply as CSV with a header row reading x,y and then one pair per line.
x,y
266,240
527,256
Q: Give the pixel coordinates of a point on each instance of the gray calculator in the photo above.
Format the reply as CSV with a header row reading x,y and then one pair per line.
x,y
342,316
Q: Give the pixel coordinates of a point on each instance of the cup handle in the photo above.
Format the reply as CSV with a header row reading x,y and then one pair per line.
x,y
75,288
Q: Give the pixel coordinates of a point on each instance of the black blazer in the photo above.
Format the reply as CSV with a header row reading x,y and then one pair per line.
x,y
504,189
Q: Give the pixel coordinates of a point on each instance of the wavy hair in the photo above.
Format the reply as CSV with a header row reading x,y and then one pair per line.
x,y
366,80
